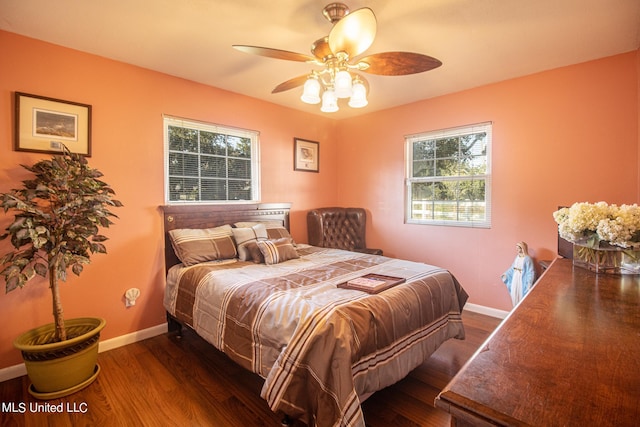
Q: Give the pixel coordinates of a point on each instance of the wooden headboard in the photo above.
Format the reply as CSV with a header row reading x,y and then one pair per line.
x,y
208,216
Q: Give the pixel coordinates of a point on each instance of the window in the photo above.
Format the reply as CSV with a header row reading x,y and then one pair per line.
x,y
207,163
448,179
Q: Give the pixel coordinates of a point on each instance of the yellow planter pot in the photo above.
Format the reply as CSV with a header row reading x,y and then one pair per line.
x,y
61,368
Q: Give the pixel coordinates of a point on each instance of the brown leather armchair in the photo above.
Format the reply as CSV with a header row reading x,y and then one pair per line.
x,y
341,228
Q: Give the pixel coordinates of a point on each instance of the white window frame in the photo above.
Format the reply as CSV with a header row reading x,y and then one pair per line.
x,y
210,127
486,177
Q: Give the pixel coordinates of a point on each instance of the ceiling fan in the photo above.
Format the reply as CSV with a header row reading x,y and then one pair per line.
x,y
351,35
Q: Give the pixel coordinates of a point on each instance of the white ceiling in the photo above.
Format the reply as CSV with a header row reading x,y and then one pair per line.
x,y
478,41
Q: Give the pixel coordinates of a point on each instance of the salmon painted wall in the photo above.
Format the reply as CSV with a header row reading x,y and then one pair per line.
x,y
128,104
560,136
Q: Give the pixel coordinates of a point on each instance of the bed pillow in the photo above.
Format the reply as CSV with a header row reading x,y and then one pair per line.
x,y
277,251
275,229
267,224
279,233
244,236
193,246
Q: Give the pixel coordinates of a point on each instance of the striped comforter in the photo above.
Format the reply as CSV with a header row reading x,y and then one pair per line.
x,y
320,349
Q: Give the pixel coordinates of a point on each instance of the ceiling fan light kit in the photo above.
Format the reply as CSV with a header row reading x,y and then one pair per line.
x,y
329,101
343,84
352,34
358,94
311,90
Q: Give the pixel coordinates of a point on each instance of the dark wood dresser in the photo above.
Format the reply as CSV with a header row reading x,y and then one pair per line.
x,y
567,355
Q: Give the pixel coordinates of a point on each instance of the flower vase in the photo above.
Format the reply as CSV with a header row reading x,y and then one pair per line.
x,y
607,259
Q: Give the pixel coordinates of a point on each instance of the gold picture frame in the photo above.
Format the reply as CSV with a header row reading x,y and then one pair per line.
x,y
45,125
306,155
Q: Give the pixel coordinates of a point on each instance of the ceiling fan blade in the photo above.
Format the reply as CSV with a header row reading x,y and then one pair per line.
x,y
354,33
274,53
397,63
290,84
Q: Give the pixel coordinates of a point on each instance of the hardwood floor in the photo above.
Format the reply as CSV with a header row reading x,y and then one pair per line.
x,y
170,381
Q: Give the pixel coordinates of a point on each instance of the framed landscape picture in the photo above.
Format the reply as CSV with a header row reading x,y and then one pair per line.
x,y
46,125
306,155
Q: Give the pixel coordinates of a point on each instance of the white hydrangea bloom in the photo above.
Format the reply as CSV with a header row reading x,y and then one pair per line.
x,y
600,221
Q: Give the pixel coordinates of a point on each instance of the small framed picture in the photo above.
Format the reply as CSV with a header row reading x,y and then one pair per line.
x,y
306,155
45,125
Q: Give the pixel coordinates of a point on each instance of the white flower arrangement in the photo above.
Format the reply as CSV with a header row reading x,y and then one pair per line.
x,y
592,223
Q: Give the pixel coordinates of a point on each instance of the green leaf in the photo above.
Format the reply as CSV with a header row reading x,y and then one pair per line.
x,y
12,283
77,269
17,225
22,234
98,248
41,269
10,271
29,273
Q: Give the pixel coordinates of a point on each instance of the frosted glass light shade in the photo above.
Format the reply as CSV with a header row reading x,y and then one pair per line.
x,y
359,96
311,91
329,101
343,84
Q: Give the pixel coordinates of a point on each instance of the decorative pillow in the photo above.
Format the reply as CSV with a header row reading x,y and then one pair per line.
x,y
255,254
276,251
193,246
243,236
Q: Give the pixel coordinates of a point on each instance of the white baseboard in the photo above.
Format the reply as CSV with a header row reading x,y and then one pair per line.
x,y
493,312
123,340
16,371
12,372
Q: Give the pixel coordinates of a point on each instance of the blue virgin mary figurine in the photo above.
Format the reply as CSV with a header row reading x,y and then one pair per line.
x,y
520,276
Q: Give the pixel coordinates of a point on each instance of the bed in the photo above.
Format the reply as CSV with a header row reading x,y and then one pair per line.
x,y
280,311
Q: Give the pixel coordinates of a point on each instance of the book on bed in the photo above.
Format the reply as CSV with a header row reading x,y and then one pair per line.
x,y
372,283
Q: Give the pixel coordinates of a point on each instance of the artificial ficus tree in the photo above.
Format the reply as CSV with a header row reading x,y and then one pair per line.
x,y
58,215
